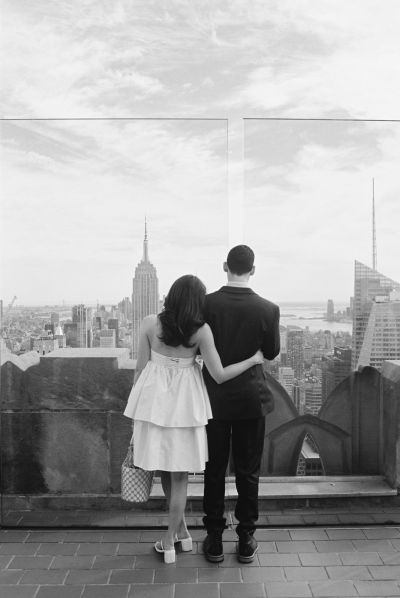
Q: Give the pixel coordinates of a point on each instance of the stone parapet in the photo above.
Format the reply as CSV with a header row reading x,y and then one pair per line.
x,y
391,422
62,428
63,433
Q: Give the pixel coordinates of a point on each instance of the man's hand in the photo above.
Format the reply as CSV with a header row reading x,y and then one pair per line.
x,y
258,358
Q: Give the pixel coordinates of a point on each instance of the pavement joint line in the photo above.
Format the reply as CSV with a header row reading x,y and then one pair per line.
x,y
336,525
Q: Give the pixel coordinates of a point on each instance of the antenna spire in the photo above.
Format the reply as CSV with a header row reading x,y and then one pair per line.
x,y
145,243
374,261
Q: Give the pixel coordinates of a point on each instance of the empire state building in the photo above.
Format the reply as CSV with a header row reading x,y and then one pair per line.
x,y
145,299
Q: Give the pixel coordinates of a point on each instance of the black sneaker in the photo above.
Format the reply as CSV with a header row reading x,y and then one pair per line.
x,y
212,547
247,548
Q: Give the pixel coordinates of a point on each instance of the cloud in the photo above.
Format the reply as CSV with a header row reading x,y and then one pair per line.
x,y
87,204
84,186
143,58
317,205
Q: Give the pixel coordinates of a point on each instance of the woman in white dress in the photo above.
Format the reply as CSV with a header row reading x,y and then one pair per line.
x,y
169,403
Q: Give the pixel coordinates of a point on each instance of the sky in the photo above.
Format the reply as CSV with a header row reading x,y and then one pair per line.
x,y
113,112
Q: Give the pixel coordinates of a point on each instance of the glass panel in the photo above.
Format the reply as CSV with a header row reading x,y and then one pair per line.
x,y
321,212
89,207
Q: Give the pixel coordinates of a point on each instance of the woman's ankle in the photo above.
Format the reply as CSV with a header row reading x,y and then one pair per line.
x,y
168,542
182,532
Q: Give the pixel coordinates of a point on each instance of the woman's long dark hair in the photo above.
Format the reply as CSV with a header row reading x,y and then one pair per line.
x,y
183,311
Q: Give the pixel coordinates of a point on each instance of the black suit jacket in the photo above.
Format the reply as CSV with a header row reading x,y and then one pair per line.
x,y
242,322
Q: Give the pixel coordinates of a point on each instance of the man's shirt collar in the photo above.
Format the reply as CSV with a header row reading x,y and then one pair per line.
x,y
238,284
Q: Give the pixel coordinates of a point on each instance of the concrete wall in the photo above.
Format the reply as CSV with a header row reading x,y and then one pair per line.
x,y
391,422
62,428
63,432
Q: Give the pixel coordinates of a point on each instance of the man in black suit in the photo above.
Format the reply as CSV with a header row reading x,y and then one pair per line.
x,y
242,322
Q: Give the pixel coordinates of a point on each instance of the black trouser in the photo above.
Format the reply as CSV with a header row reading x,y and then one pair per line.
x,y
247,448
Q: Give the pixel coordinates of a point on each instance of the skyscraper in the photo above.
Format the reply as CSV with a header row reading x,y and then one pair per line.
x,y
313,398
286,379
295,351
145,299
82,317
368,286
125,307
107,338
71,334
330,311
54,318
382,334
335,368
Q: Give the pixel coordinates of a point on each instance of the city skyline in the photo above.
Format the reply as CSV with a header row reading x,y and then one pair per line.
x,y
80,247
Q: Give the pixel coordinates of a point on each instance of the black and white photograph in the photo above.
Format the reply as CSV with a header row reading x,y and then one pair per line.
x,y
199,299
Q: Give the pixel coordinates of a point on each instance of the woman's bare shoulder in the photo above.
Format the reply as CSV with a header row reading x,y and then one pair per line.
x,y
149,322
150,318
203,332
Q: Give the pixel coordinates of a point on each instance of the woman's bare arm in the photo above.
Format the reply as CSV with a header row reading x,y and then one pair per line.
x,y
213,362
146,329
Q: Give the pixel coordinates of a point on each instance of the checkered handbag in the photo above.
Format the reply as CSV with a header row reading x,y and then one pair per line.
x,y
136,483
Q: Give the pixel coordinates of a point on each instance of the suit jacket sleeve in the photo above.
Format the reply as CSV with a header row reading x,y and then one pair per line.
x,y
272,340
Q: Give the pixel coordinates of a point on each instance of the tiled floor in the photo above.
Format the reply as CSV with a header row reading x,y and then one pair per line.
x,y
320,562
352,513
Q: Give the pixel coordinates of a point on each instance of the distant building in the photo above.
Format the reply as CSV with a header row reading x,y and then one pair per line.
x,y
329,341
107,338
295,351
145,298
113,324
299,396
309,461
368,285
313,396
71,334
44,344
54,318
308,355
286,379
382,333
49,328
335,368
125,307
330,311
82,317
60,337
283,352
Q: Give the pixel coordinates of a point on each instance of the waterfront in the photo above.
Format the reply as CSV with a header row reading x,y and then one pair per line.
x,y
312,315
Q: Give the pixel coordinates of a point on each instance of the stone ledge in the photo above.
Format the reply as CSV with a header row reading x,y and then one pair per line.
x,y
274,493
305,487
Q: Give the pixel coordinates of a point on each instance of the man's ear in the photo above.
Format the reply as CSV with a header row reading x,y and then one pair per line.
x,y
225,267
252,270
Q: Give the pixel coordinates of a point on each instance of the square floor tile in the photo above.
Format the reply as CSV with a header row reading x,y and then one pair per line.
x,y
59,592
152,591
19,592
242,590
125,576
195,590
44,577
115,591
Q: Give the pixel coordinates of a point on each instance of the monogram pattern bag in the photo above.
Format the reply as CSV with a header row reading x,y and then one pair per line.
x,y
136,483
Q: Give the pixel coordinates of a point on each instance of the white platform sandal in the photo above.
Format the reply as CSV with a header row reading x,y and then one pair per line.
x,y
169,555
186,543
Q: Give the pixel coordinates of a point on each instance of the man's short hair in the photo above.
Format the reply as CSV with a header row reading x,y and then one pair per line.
x,y
240,259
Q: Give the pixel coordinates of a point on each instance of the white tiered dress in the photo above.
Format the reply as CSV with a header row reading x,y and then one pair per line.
x,y
170,407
